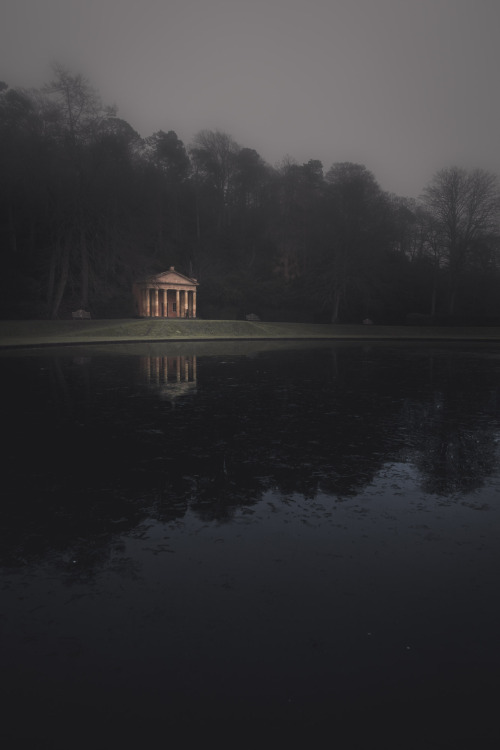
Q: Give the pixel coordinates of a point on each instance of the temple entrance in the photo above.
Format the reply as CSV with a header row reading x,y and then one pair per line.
x,y
167,295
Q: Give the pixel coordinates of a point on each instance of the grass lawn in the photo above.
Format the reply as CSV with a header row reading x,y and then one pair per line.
x,y
22,333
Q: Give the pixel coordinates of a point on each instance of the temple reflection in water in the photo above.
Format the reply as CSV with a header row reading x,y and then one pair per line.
x,y
170,377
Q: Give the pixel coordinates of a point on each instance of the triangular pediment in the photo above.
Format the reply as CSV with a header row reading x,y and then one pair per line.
x,y
172,277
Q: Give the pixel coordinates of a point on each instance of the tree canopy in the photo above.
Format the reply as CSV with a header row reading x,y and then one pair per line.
x,y
87,205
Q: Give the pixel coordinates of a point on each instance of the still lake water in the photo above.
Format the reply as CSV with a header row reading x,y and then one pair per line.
x,y
252,535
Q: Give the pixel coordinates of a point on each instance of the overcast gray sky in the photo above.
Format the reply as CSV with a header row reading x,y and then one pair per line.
x,y
405,87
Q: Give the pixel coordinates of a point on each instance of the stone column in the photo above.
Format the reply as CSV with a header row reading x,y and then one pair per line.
x,y
155,303
147,301
178,303
194,303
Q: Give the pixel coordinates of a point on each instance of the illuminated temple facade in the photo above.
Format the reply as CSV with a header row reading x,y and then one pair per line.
x,y
168,295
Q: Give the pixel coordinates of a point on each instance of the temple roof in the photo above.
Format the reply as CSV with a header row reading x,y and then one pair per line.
x,y
170,277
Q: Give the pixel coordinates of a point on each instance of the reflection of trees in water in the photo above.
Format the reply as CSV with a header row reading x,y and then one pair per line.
x,y
454,432
276,424
92,456
456,462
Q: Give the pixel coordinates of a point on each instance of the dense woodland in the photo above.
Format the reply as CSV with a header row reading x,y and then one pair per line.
x,y
87,206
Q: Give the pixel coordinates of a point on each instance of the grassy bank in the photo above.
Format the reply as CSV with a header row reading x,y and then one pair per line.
x,y
22,333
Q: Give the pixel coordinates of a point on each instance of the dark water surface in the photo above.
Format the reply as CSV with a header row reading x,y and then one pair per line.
x,y
244,537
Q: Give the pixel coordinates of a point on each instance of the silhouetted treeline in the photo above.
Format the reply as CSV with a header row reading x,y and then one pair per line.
x,y
87,206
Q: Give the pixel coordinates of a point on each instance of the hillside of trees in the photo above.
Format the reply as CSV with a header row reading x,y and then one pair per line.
x,y
87,206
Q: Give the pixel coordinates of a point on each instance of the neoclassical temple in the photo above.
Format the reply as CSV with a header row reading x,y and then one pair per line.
x,y
168,295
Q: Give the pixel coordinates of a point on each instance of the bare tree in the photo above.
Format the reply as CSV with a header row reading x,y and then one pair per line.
x,y
465,208
80,107
78,114
356,229
214,155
